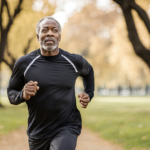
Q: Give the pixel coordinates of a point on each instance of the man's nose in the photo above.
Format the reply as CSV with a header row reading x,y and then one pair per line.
x,y
49,33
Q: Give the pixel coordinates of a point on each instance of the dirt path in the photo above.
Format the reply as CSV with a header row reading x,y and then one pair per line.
x,y
18,140
91,141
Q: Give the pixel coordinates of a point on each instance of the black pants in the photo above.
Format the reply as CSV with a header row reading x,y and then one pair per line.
x,y
63,140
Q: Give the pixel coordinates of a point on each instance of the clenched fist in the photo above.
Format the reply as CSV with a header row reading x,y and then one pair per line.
x,y
30,89
84,99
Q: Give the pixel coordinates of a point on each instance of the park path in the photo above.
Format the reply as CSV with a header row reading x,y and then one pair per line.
x,y
17,140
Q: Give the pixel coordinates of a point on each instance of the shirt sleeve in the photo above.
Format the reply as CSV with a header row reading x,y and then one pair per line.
x,y
16,84
88,78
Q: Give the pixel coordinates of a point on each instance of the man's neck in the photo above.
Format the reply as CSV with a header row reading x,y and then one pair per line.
x,y
49,53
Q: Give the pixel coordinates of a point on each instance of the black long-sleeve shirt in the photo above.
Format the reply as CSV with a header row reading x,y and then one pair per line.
x,y
54,105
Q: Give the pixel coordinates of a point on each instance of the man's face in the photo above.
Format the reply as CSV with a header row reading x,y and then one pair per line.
x,y
49,35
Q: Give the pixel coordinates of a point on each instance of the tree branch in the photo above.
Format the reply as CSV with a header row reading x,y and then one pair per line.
x,y
6,62
124,3
18,9
2,4
4,32
139,49
133,35
27,47
13,60
118,2
9,54
6,4
142,14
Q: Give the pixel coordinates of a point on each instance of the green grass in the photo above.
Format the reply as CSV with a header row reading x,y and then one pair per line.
x,y
4,101
122,120
12,117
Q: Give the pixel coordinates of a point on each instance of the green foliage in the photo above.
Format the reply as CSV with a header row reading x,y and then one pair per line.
x,y
125,123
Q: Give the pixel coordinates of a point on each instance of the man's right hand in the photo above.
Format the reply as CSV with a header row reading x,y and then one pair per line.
x,y
30,89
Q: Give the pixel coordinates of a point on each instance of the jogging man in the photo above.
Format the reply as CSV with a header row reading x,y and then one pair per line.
x,y
45,80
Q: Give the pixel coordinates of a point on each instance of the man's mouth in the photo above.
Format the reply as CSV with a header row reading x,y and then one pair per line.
x,y
49,41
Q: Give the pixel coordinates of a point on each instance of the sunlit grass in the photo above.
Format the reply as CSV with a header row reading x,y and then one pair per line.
x,y
4,101
123,120
12,117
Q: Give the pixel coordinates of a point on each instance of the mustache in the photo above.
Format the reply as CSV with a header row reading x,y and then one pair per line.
x,y
49,38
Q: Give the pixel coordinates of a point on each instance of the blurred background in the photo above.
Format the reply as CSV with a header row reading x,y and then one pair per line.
x,y
113,35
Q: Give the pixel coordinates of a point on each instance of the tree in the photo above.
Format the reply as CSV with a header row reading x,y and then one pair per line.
x,y
101,37
18,31
17,27
11,62
89,33
139,48
4,30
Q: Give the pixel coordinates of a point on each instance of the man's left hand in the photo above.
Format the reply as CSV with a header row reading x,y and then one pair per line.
x,y
84,99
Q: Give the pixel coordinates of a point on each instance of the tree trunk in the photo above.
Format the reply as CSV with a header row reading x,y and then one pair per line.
x,y
126,6
4,32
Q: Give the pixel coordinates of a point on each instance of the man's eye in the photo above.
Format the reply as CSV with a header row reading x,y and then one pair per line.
x,y
44,30
55,30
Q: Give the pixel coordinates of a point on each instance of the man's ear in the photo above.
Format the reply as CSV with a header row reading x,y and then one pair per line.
x,y
59,37
37,37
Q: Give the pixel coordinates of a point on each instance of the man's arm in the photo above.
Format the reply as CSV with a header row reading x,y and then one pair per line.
x,y
88,81
16,84
15,97
17,91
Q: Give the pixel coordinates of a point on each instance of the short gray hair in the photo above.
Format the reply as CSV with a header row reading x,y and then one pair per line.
x,y
48,17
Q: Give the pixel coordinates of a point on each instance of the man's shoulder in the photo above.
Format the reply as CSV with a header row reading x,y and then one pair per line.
x,y
81,63
26,59
28,56
76,59
72,56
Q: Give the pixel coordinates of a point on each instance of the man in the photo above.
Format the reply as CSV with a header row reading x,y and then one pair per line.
x,y
45,80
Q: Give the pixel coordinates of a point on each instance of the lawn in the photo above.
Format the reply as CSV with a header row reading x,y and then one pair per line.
x,y
12,117
122,120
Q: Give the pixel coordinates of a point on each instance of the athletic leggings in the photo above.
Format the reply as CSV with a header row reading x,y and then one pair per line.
x,y
63,140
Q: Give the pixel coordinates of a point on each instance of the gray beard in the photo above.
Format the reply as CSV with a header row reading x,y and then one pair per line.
x,y
47,48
